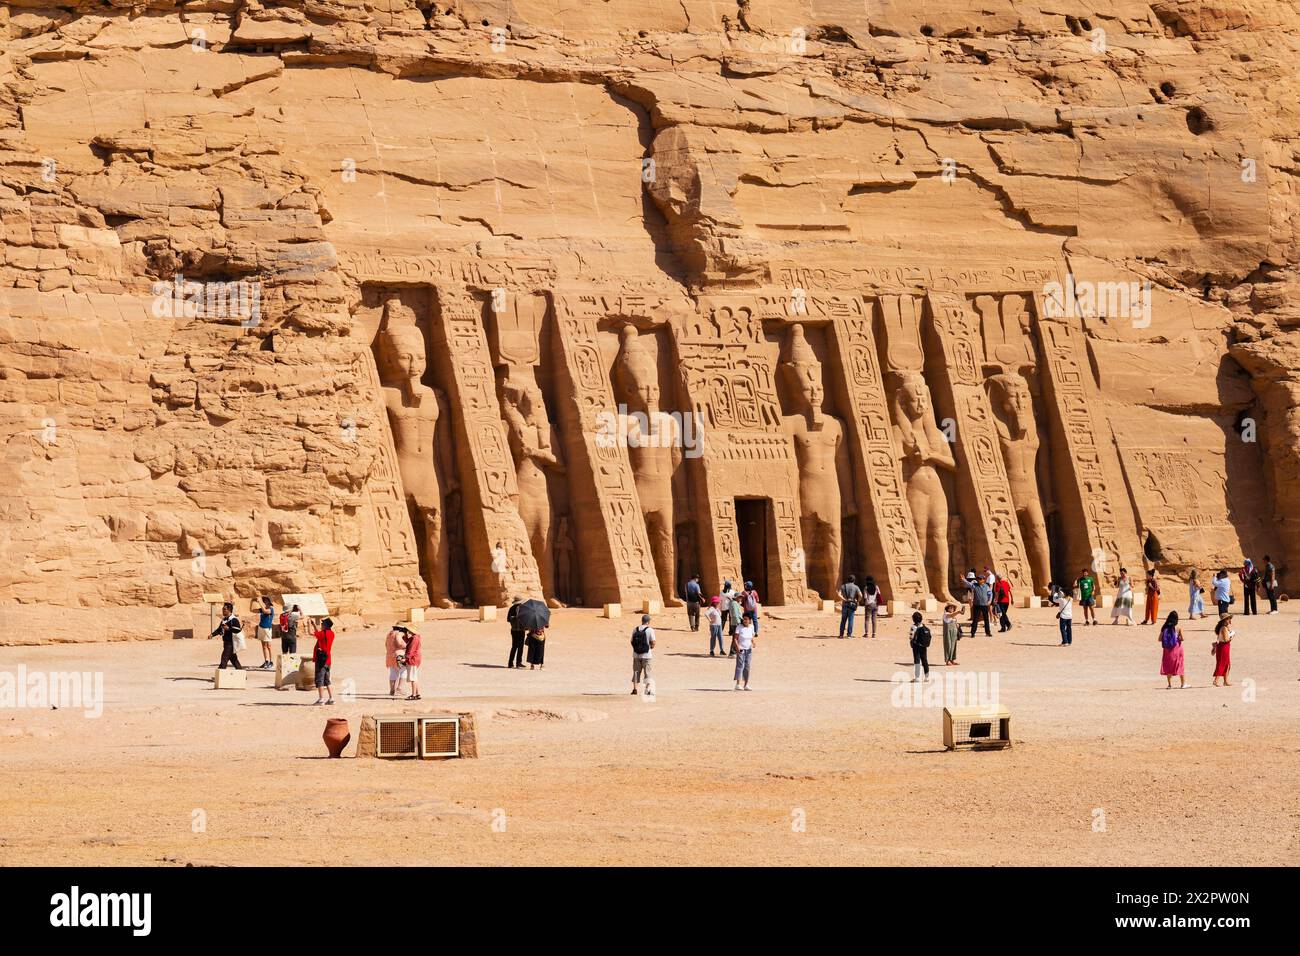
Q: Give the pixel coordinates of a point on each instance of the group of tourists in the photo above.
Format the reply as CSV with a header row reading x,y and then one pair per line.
x,y
231,632
532,640
1172,661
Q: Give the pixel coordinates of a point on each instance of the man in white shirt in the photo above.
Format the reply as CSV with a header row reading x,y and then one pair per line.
x,y
1065,616
643,644
744,642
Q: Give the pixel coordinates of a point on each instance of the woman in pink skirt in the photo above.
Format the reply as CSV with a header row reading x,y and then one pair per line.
x,y
1171,660
1222,649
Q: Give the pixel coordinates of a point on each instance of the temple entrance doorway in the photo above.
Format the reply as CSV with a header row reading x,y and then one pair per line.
x,y
753,518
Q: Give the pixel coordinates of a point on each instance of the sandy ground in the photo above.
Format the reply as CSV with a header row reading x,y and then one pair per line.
x,y
815,766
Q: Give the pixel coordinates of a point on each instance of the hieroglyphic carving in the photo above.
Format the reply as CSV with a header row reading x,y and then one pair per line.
x,y
500,558
1096,492
1012,383
728,376
903,574
993,530
616,559
388,541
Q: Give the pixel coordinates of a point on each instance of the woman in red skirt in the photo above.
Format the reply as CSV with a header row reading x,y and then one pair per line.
x,y
1222,649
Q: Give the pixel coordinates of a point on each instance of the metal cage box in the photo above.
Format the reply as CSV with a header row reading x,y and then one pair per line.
x,y
976,728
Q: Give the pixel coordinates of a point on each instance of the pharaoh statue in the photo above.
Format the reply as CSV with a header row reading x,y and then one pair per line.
x,y
421,435
823,462
1013,412
652,441
530,445
925,453
564,561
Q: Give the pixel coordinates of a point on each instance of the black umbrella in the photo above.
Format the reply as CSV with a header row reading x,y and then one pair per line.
x,y
533,615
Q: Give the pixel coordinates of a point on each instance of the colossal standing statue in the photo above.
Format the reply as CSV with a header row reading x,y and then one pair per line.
x,y
652,439
1013,411
530,446
421,437
823,462
925,450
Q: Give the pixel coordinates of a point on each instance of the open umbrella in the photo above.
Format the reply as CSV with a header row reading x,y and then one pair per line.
x,y
533,615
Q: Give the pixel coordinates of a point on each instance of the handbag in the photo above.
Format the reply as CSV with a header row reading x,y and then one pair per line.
x,y
237,640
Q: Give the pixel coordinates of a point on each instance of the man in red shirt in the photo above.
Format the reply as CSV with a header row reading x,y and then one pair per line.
x,y
1002,599
321,655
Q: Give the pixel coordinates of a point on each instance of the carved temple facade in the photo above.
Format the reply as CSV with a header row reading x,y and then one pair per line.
x,y
902,422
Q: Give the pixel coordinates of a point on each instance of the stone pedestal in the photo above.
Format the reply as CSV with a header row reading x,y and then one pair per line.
x,y
487,612
612,611
649,606
286,670
826,607
231,678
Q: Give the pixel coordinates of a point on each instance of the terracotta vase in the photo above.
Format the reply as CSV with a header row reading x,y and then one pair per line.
x,y
336,735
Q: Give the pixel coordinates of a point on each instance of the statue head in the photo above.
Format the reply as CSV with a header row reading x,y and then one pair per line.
x,y
521,390
640,371
804,373
1011,400
401,343
913,396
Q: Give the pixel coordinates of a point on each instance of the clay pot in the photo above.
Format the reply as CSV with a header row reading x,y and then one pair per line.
x,y
336,735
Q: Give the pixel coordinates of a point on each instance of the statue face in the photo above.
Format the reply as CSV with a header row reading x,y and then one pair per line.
x,y
811,389
916,400
648,392
411,362
404,351
1016,402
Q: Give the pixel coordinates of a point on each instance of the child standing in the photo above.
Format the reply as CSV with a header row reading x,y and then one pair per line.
x,y
413,659
919,638
714,617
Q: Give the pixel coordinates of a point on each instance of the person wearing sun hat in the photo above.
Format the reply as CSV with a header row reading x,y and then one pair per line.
x,y
714,616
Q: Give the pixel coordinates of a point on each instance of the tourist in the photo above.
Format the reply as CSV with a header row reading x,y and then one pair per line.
x,y
989,576
714,617
1153,598
871,599
536,643
265,624
1002,599
1087,585
1171,657
919,638
1123,598
1222,648
694,598
322,654
1195,597
516,658
742,645
231,634
414,657
643,646
289,640
850,595
728,596
734,615
1270,584
1249,584
395,658
1222,591
951,634
1064,602
750,604
981,602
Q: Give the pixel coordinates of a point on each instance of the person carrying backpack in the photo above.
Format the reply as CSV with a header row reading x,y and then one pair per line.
x,y
643,645
919,638
1171,651
750,604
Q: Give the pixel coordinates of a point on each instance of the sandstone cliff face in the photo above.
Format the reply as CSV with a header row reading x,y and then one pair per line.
x,y
1020,277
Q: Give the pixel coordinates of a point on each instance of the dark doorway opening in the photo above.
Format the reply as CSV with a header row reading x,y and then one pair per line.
x,y
752,518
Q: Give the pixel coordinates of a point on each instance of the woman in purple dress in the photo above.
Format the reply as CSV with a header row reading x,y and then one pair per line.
x,y
1171,659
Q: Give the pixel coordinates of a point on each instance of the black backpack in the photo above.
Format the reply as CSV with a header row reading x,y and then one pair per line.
x,y
640,643
921,637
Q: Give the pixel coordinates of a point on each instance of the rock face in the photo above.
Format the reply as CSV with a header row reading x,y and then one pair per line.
x,y
438,303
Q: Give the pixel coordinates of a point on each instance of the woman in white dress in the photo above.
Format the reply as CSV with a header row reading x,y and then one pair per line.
x,y
1123,599
1195,597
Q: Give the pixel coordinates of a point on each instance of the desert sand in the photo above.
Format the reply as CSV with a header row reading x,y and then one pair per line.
x,y
574,770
